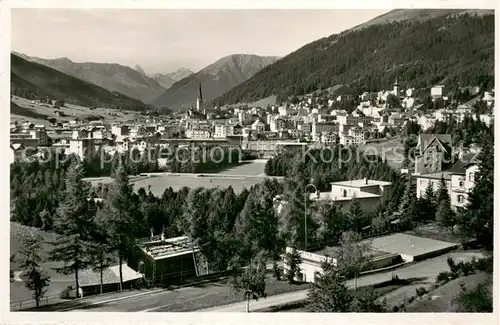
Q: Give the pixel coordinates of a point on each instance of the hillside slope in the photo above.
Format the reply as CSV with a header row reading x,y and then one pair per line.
x,y
431,46
36,81
215,79
111,76
166,80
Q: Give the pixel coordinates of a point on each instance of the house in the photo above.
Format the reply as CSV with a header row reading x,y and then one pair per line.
x,y
258,126
426,121
459,180
90,280
366,191
278,124
328,138
437,91
431,152
17,150
396,119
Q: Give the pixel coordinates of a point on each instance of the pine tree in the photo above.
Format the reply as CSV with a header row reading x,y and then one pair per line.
x,y
293,260
445,217
429,202
30,258
407,208
117,215
100,249
73,224
329,294
477,219
356,215
442,193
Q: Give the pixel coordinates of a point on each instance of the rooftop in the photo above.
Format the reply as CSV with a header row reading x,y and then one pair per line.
x,y
160,248
445,174
329,196
361,183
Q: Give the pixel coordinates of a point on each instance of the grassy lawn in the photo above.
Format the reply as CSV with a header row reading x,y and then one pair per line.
x,y
440,300
18,291
300,307
28,111
432,231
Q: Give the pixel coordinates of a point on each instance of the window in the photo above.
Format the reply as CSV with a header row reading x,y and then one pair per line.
x,y
471,177
344,193
460,199
461,183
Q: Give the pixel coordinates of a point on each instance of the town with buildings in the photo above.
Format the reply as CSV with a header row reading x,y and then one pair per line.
x,y
404,224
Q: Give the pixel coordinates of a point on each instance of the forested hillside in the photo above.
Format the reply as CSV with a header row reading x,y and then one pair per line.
x,y
444,49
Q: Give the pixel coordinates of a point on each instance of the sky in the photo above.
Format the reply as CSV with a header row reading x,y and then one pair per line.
x,y
163,40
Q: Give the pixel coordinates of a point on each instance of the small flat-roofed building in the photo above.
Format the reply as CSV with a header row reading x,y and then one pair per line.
x,y
366,191
163,260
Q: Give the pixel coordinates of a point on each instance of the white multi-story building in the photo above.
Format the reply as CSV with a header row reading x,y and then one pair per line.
x,y
459,181
198,134
223,130
351,136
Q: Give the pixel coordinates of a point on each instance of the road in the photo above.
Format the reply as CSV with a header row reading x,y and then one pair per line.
x,y
180,299
427,269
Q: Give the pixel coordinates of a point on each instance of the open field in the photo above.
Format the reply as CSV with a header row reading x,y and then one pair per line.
x,y
72,112
158,183
392,150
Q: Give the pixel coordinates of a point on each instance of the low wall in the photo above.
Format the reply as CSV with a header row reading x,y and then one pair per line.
x,y
435,253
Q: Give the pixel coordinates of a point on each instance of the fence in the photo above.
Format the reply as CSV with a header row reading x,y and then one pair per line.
x,y
31,303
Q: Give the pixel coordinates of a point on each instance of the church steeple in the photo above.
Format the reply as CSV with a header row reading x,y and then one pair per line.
x,y
199,100
396,87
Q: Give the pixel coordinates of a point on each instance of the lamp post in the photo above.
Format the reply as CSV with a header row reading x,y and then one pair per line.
x,y
305,213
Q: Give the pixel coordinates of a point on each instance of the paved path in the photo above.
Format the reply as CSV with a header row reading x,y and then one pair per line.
x,y
423,270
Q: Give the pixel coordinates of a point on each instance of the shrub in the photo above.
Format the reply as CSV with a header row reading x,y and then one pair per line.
x,y
410,300
452,265
395,309
277,271
421,291
466,268
444,277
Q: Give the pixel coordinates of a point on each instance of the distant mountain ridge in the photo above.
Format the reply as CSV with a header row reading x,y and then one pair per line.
x,y
110,76
216,79
166,80
420,47
37,81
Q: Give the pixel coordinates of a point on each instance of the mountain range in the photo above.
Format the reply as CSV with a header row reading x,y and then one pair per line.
x,y
166,80
110,76
215,79
420,47
36,81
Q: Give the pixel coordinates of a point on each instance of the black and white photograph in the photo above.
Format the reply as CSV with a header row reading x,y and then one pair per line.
x,y
284,160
